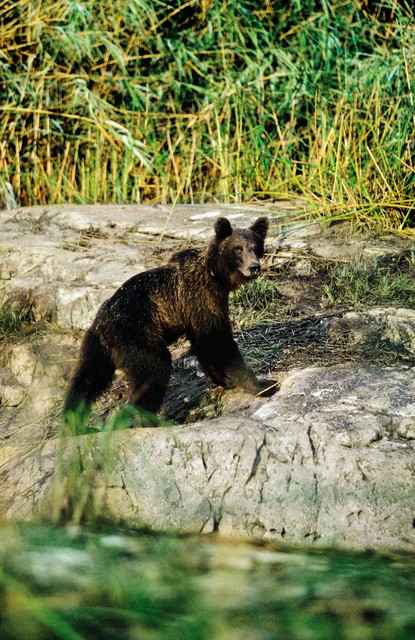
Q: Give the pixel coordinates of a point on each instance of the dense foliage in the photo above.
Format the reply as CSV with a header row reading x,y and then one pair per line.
x,y
162,100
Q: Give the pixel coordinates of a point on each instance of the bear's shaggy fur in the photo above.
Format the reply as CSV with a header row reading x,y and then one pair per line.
x,y
186,297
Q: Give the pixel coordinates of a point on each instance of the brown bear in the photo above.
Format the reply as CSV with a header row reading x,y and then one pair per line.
x,y
189,296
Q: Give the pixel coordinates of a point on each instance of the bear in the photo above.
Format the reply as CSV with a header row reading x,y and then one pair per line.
x,y
188,296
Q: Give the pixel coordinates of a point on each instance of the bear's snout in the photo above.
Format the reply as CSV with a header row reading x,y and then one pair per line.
x,y
255,269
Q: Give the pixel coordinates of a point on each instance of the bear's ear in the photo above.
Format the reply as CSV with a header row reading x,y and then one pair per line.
x,y
260,227
223,228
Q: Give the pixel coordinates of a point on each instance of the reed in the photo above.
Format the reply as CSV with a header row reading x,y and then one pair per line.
x,y
144,101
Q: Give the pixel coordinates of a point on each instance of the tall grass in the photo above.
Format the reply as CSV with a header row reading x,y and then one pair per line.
x,y
158,101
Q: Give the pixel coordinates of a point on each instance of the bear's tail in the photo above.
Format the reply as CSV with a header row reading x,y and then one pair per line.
x,y
92,377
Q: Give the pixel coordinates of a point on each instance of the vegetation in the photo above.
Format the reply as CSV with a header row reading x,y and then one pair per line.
x,y
368,282
78,584
200,100
10,320
388,281
256,303
16,313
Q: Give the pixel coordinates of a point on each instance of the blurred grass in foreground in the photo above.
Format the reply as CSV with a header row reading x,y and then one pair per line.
x,y
82,584
229,101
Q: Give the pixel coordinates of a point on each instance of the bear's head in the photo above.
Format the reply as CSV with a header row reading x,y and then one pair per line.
x,y
236,253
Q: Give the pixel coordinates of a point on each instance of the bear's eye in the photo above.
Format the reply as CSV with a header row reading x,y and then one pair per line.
x,y
238,249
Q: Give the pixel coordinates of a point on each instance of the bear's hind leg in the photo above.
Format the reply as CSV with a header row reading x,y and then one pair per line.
x,y
92,377
148,372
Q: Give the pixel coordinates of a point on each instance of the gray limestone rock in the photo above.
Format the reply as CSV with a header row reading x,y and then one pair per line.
x,y
330,459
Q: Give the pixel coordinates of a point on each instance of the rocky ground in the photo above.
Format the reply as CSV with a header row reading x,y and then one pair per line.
x,y
329,459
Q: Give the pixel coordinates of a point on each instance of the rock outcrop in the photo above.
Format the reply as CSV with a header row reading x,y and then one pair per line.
x,y
329,460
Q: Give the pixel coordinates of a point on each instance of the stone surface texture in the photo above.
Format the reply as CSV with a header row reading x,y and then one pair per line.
x,y
329,460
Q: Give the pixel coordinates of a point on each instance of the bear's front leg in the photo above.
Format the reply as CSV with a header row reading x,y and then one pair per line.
x,y
224,364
